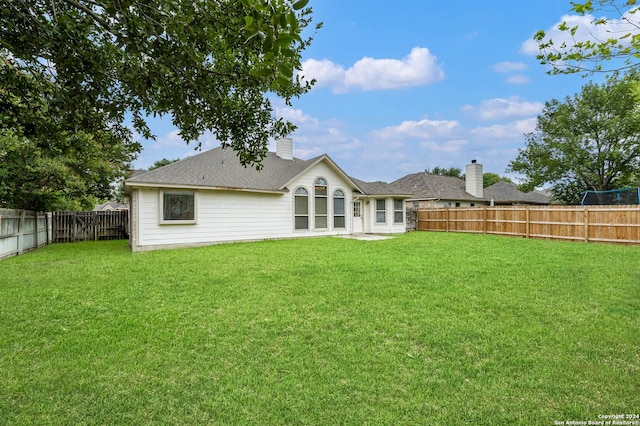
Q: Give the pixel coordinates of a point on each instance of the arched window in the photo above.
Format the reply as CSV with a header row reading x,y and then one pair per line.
x,y
338,209
301,211
320,193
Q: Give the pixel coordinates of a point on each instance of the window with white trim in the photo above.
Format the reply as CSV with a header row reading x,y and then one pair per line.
x,y
398,214
321,204
357,209
301,209
338,209
178,207
381,211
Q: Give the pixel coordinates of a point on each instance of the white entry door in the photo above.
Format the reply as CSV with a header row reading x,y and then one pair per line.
x,y
357,217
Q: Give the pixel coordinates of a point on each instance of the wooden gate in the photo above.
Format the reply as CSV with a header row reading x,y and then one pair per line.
x,y
86,226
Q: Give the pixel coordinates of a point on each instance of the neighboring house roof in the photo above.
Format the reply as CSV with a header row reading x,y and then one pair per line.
x,y
507,193
429,186
111,205
220,169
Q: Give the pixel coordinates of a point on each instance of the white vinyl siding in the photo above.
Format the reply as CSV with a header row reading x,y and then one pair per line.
x,y
222,216
371,210
235,215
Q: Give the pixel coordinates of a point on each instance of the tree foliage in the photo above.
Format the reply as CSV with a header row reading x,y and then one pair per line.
x,y
620,20
590,141
490,178
161,163
209,64
49,159
443,171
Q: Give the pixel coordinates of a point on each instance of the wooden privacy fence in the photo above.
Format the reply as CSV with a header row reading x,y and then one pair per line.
x,y
22,231
85,226
609,224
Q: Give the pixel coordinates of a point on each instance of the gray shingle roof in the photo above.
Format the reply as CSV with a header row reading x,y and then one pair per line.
x,y
220,168
426,186
505,192
380,188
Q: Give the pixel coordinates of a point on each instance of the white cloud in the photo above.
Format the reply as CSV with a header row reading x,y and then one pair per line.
x,y
518,79
423,129
313,137
413,145
500,108
296,116
587,30
505,132
325,72
419,68
507,67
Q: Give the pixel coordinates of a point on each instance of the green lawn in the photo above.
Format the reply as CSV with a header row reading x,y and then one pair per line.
x,y
425,328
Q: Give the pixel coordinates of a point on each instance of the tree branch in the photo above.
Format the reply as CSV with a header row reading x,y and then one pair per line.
x,y
104,24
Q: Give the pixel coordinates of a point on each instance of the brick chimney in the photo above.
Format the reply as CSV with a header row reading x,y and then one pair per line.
x,y
284,148
473,179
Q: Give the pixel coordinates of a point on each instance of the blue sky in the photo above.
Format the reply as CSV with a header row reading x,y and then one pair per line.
x,y
408,85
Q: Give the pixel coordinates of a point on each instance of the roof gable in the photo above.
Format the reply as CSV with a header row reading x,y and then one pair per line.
x,y
325,158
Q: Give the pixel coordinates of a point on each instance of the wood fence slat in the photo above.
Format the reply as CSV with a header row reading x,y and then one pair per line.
x,y
619,224
86,226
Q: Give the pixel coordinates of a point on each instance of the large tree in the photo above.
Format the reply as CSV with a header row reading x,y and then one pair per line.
x,y
590,141
613,44
51,159
211,65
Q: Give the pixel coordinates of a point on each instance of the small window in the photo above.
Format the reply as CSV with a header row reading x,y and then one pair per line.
x,y
473,204
338,209
321,203
178,207
457,204
301,210
357,209
381,211
398,216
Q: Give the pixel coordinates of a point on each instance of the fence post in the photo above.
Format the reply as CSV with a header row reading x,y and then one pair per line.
x,y
35,226
95,226
47,223
484,220
21,231
586,224
528,224
448,220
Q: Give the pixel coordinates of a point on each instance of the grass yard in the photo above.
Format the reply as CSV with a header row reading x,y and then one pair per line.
x,y
425,328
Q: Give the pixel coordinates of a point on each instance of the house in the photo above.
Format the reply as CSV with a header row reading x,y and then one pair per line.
x,y
210,198
506,193
110,206
436,191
